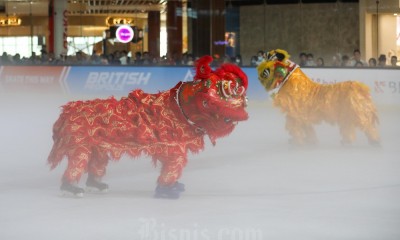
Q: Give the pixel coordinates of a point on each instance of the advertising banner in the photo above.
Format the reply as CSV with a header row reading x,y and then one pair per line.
x,y
119,81
105,81
383,83
33,79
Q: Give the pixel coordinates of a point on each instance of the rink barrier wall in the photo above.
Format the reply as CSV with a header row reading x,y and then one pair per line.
x,y
104,81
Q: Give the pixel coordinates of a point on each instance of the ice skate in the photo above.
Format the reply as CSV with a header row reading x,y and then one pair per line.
x,y
94,184
69,189
171,192
180,186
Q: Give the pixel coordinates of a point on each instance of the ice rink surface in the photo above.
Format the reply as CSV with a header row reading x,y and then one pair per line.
x,y
252,185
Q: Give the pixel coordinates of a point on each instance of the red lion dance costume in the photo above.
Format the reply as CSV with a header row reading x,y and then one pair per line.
x,y
165,126
305,103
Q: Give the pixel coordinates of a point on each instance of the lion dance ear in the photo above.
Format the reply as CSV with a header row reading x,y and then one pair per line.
x,y
278,54
203,69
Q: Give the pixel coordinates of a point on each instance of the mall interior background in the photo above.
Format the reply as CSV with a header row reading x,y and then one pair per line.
x,y
215,27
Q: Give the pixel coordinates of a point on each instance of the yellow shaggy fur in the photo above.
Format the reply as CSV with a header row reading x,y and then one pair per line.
x,y
306,103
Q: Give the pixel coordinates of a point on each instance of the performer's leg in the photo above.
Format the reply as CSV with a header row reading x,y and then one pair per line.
x,y
348,132
372,135
98,163
77,164
96,170
295,129
171,170
311,137
168,186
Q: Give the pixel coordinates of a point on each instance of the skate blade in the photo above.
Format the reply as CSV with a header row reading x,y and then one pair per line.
x,y
166,196
66,194
96,190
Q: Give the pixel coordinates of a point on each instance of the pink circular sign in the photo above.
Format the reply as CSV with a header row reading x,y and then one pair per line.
x,y
124,33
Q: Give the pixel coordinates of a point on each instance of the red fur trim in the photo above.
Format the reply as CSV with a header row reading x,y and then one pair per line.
x,y
232,68
139,124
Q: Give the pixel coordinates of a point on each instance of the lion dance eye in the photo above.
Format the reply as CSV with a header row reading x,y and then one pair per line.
x,y
265,73
231,89
205,104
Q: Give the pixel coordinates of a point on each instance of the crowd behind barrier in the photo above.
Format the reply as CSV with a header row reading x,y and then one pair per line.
x,y
187,59
338,60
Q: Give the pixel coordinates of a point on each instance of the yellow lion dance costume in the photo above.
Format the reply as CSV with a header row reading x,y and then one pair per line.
x,y
305,103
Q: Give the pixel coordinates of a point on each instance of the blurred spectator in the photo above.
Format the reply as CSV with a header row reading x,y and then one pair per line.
x,y
44,57
302,59
111,59
138,58
227,59
372,62
357,58
146,59
382,60
216,60
184,58
116,58
345,61
62,60
337,60
4,60
358,64
94,58
253,61
177,58
17,59
230,45
238,60
190,60
168,60
80,58
104,59
32,58
310,60
393,61
123,58
52,58
320,62
260,57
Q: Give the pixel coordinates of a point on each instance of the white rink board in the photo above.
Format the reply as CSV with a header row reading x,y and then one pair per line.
x,y
384,83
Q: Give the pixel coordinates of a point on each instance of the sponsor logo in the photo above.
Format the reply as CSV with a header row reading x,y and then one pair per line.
x,y
324,81
39,79
387,87
189,76
24,79
115,81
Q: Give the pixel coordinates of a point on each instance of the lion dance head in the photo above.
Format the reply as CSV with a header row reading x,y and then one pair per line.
x,y
216,99
275,69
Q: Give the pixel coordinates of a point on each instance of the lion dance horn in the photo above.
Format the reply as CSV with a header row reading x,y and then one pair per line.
x,y
203,69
